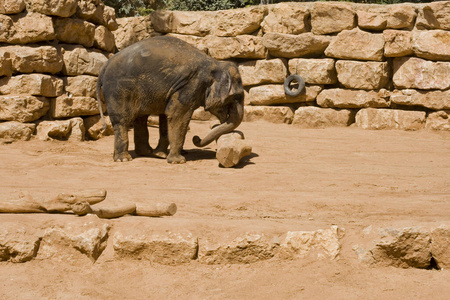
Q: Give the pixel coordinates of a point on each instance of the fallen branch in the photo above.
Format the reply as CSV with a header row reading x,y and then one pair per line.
x,y
154,210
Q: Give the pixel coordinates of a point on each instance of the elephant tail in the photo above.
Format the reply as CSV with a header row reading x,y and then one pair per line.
x,y
100,97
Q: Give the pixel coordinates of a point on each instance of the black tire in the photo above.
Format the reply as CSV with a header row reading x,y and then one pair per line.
x,y
291,78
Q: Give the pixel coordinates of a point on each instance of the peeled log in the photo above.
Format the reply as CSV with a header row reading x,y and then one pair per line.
x,y
231,148
156,209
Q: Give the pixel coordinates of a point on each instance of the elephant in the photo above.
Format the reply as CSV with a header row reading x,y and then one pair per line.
x,y
168,77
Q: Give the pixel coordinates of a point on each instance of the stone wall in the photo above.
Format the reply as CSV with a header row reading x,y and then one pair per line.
x,y
371,66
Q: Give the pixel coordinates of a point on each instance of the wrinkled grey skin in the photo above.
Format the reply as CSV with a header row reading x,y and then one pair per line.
x,y
167,77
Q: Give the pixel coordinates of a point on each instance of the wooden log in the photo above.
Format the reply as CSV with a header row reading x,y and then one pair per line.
x,y
152,210
156,209
231,148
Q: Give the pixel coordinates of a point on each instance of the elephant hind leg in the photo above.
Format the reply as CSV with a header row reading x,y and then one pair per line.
x,y
121,143
142,146
161,149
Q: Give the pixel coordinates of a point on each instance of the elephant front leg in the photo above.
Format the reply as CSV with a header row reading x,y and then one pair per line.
x,y
177,132
142,146
121,143
161,149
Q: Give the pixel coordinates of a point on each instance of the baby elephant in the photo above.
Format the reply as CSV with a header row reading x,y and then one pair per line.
x,y
167,77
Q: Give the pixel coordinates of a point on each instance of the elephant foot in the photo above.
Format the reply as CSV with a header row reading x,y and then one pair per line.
x,y
176,159
159,154
144,151
122,157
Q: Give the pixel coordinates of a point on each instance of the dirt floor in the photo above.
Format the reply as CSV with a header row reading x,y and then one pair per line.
x,y
296,179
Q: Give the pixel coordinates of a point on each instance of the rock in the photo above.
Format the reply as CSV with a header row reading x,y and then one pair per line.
x,y
75,31
294,46
432,44
434,15
315,117
322,243
94,127
417,73
401,16
334,17
231,148
440,245
165,248
196,41
436,100
5,64
397,43
32,84
272,114
81,61
10,7
241,21
248,248
22,108
33,59
82,85
363,75
73,106
201,115
262,71
104,39
289,18
357,44
18,243
183,22
132,30
405,248
15,131
26,28
439,120
371,118
72,129
96,12
342,98
74,241
274,94
372,19
243,46
61,8
314,71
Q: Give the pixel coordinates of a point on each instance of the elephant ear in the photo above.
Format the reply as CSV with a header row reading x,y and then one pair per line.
x,y
219,90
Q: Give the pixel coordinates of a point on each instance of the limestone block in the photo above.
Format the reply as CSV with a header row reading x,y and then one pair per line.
x,y
417,73
272,114
343,98
405,248
79,60
197,41
132,30
83,85
32,84
434,15
314,71
316,117
290,18
5,64
15,131
291,46
440,245
61,8
436,100
439,120
104,39
372,19
200,114
356,44
18,243
85,241
262,71
363,75
247,248
10,7
271,94
165,248
96,12
432,44
333,17
67,130
33,59
73,106
25,28
401,16
22,108
371,118
397,43
243,46
94,127
234,22
75,31
183,22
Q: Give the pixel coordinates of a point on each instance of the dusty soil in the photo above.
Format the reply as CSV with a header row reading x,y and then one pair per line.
x,y
297,179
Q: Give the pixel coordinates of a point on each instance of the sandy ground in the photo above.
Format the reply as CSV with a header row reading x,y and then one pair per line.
x,y
296,179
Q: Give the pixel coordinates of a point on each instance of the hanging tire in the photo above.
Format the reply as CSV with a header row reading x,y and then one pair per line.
x,y
287,85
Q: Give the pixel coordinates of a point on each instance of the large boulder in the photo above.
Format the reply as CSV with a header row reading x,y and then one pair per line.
x,y
439,120
67,106
273,94
432,44
291,46
81,61
96,12
132,30
94,127
436,100
26,28
18,243
343,98
334,17
370,75
83,85
314,71
272,114
104,39
183,22
262,71
5,64
75,31
22,108
370,118
397,43
10,7
16,131
290,18
234,22
243,46
417,73
316,117
32,84
61,8
435,15
440,243
33,59
357,44
380,17
66,130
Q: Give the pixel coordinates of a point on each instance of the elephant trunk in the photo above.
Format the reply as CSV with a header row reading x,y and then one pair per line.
x,y
236,115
